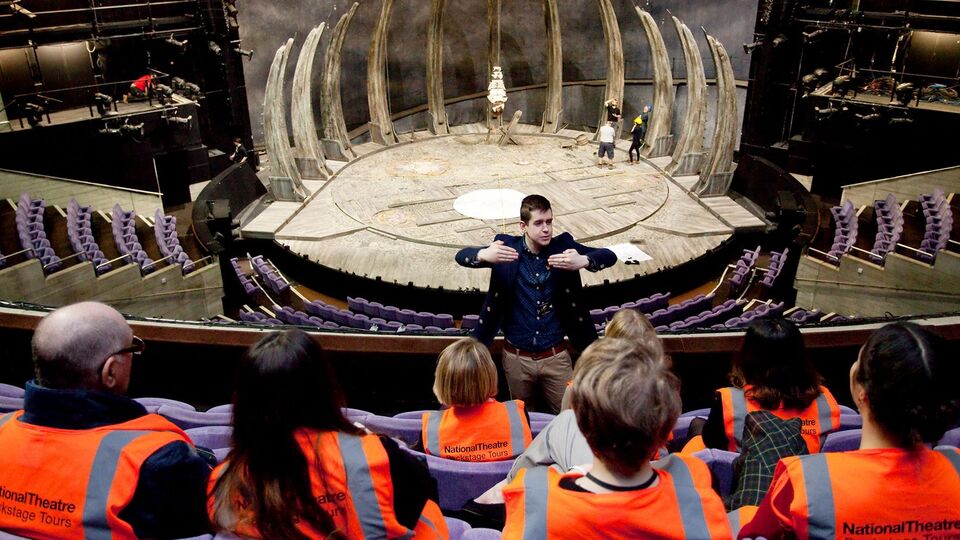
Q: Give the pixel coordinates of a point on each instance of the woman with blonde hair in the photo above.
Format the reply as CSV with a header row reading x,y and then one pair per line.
x,y
475,426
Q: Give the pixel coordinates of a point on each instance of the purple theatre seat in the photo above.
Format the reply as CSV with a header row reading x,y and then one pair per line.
x,y
413,415
413,327
356,305
373,309
721,466
10,404
355,414
469,322
596,315
680,431
541,417
459,481
10,390
950,438
8,536
703,413
392,326
407,316
390,313
212,437
456,527
850,421
190,419
481,533
842,441
442,320
159,401
423,318
225,408
405,429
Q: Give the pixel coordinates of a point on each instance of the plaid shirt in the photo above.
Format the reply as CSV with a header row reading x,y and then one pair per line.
x,y
766,439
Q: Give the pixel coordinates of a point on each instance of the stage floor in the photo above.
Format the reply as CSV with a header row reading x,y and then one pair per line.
x,y
390,213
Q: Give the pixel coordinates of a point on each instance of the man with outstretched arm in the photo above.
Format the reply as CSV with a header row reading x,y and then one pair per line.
x,y
534,296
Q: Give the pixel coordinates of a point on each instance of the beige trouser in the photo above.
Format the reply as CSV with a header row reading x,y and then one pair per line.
x,y
528,378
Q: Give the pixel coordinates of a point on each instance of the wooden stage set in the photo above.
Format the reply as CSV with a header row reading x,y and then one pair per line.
x,y
390,214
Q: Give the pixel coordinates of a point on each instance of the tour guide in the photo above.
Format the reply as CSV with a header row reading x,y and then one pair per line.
x,y
534,295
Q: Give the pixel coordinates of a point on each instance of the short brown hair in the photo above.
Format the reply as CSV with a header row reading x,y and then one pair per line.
x,y
633,325
532,203
465,374
626,402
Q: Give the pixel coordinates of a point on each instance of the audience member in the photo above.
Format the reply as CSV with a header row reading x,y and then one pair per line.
x,y
475,427
905,385
626,402
771,373
299,469
83,461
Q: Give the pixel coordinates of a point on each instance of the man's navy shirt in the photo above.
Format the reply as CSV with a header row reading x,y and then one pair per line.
x,y
532,323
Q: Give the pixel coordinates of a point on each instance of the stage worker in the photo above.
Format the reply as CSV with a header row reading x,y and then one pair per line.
x,y
474,426
535,297
84,461
239,154
140,88
613,110
608,137
904,383
626,401
638,132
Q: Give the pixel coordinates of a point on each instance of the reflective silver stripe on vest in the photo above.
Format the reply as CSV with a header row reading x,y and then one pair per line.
x,y
688,498
95,524
952,456
6,418
535,489
739,403
429,523
362,493
824,417
433,432
734,519
516,428
821,513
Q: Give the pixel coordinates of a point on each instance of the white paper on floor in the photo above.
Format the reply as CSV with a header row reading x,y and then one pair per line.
x,y
629,252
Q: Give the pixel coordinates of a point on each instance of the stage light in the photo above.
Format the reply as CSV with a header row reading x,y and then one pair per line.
x,y
134,130
178,121
163,93
904,93
749,47
214,48
185,88
34,113
244,52
779,40
103,102
841,85
172,40
901,121
826,114
20,10
810,37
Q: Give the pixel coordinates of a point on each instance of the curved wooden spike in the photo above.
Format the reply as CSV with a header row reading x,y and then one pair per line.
x,y
658,137
717,170
301,105
336,141
615,76
381,126
438,114
689,149
275,122
553,108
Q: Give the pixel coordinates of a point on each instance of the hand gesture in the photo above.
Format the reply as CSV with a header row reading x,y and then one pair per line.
x,y
568,260
497,253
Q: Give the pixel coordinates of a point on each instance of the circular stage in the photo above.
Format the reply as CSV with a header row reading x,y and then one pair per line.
x,y
401,212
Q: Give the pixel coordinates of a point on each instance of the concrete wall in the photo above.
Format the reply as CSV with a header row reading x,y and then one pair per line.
x,y
906,187
264,26
164,293
59,191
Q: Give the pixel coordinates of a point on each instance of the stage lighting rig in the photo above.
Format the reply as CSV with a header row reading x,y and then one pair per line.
x,y
901,121
17,9
185,88
214,48
749,47
103,101
133,130
178,121
181,45
828,113
904,93
841,86
810,37
163,93
779,40
244,52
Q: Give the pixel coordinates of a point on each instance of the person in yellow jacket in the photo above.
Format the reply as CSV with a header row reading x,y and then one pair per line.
x,y
626,403
299,469
475,426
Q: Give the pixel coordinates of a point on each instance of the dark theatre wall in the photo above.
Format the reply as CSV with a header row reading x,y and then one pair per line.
x,y
265,26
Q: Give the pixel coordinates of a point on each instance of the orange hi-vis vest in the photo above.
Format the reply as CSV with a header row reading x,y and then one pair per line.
x,y
681,505
350,477
820,418
878,493
491,431
73,483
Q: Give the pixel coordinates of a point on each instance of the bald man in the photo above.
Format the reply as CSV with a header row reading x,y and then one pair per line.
x,y
84,461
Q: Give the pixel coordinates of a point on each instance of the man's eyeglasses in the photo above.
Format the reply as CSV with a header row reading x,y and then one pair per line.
x,y
137,347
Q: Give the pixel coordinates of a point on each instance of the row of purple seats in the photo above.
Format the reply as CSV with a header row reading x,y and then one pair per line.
x,y
763,311
777,261
679,312
889,228
845,235
165,229
601,316
268,274
939,224
705,319
80,235
802,316
249,287
259,318
33,236
401,315
125,235
742,269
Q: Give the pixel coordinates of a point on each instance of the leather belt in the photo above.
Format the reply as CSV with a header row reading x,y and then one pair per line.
x,y
552,351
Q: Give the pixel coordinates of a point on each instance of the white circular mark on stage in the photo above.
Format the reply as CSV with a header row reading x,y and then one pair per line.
x,y
490,204
420,167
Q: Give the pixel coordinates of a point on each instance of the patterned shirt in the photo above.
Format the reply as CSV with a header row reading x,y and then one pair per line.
x,y
532,323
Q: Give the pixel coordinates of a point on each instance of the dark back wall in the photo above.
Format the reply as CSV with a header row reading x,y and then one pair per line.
x,y
265,26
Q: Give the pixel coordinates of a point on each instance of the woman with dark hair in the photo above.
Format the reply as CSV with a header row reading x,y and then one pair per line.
x,y
299,469
771,373
905,385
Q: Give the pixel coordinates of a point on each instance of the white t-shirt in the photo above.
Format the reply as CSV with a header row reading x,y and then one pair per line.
x,y
607,133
